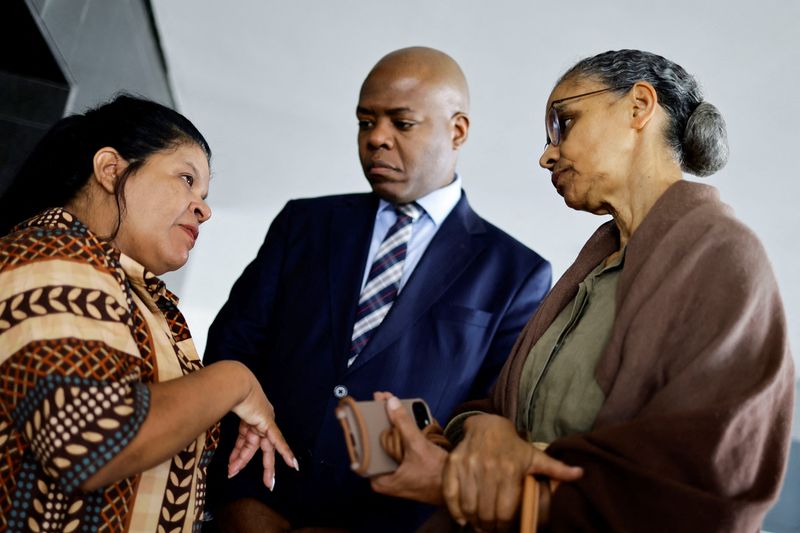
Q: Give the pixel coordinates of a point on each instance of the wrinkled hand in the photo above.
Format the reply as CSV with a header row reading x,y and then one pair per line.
x,y
483,477
419,476
257,429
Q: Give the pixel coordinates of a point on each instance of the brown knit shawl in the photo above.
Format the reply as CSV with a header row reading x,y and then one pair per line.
x,y
699,382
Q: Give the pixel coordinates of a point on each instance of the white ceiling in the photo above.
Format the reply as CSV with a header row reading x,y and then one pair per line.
x,y
273,85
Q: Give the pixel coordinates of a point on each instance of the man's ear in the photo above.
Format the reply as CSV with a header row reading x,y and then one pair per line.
x,y
460,129
107,167
645,102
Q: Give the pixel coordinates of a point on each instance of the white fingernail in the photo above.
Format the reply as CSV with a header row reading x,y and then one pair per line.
x,y
394,403
353,466
273,483
295,464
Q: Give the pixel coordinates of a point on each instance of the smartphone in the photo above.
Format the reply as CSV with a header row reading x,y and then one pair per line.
x,y
363,423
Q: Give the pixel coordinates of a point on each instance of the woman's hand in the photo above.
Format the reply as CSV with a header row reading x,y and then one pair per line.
x,y
257,429
483,477
184,408
419,476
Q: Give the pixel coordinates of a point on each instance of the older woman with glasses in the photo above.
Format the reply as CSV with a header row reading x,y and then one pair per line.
x,y
658,366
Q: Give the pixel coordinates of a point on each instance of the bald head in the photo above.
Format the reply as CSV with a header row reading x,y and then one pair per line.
x,y
412,122
429,69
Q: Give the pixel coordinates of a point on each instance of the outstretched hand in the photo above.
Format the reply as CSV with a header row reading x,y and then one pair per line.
x,y
483,477
419,475
258,430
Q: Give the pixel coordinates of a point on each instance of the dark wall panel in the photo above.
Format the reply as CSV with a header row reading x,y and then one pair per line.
x,y
34,89
108,47
64,56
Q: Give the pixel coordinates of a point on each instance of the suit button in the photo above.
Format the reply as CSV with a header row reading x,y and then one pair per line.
x,y
340,391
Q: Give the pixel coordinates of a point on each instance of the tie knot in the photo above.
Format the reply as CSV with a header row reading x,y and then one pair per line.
x,y
412,210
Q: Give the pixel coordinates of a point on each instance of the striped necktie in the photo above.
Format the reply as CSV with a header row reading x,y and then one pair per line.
x,y
383,280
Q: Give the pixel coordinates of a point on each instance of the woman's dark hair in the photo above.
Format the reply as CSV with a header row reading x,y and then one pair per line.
x,y
62,162
696,131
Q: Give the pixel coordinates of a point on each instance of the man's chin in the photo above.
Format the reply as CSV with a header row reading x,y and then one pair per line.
x,y
393,193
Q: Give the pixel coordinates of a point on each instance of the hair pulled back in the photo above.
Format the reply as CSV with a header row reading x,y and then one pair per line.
x,y
62,162
696,131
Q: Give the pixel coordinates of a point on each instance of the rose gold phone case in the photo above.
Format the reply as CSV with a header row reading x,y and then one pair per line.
x,y
363,423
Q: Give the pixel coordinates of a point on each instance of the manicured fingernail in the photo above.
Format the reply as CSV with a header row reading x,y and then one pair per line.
x,y
272,487
232,473
295,464
353,466
461,522
394,403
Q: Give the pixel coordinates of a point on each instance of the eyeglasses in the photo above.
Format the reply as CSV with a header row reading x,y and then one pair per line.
x,y
554,125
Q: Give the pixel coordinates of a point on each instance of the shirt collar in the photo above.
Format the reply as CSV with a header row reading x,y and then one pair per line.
x,y
437,204
142,278
59,219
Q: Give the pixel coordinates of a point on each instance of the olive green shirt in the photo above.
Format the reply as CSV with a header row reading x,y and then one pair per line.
x,y
558,392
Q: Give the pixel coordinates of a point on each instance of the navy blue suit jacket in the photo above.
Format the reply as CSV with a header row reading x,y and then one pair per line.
x,y
290,316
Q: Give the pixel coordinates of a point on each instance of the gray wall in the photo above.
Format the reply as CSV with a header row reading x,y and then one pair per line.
x,y
63,56
107,47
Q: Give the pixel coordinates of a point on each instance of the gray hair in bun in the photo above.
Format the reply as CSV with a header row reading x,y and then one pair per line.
x,y
696,131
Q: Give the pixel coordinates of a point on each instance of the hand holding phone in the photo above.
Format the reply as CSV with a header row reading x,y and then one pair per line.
x,y
363,423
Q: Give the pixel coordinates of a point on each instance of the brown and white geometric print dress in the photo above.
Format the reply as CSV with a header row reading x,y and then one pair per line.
x,y
82,330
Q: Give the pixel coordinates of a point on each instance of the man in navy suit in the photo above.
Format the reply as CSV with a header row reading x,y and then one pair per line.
x,y
463,292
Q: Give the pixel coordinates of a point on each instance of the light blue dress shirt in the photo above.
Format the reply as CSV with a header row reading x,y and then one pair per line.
x,y
436,206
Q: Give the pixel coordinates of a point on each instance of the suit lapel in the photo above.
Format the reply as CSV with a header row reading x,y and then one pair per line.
x,y
457,242
350,235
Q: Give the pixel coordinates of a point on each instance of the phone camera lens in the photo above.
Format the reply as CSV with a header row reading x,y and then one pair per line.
x,y
420,414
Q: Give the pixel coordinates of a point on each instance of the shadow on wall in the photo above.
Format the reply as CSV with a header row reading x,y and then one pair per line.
x,y
785,516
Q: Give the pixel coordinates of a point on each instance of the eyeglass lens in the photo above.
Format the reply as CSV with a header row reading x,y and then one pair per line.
x,y
553,122
553,127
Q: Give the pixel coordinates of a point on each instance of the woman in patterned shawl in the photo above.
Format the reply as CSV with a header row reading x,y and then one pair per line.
x,y
108,418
